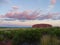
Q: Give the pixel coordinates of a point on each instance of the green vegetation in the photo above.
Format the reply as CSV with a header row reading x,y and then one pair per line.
x,y
31,36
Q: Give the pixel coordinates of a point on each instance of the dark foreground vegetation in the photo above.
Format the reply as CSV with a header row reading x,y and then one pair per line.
x,y
30,36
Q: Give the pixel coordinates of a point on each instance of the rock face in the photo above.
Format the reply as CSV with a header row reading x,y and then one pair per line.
x,y
41,26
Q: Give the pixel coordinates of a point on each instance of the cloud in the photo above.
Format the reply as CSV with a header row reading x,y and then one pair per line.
x,y
53,16
15,7
28,15
25,15
2,16
53,2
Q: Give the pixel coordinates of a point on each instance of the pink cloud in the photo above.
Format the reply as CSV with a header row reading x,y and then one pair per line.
x,y
53,2
27,14
51,15
15,8
2,16
20,15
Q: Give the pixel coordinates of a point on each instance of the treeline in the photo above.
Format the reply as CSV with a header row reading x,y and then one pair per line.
x,y
30,36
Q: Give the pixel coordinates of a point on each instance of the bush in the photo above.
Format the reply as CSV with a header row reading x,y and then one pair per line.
x,y
28,36
31,36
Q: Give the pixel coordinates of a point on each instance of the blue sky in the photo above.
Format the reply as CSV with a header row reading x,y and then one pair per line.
x,y
29,10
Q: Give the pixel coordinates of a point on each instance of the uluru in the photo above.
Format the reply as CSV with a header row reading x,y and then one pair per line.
x,y
42,26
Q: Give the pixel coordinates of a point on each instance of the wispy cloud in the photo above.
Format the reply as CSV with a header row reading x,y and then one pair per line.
x,y
29,23
25,15
28,16
53,2
51,6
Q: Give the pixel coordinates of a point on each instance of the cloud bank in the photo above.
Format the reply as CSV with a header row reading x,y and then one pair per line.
x,y
29,15
28,23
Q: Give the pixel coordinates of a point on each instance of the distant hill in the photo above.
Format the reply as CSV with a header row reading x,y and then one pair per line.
x,y
41,26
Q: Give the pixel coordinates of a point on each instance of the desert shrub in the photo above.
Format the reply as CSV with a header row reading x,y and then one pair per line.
x,y
1,36
32,36
28,36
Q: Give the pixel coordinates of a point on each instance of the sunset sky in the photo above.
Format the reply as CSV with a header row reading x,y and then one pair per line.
x,y
25,13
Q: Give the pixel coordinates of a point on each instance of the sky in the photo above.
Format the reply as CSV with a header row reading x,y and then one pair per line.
x,y
25,13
